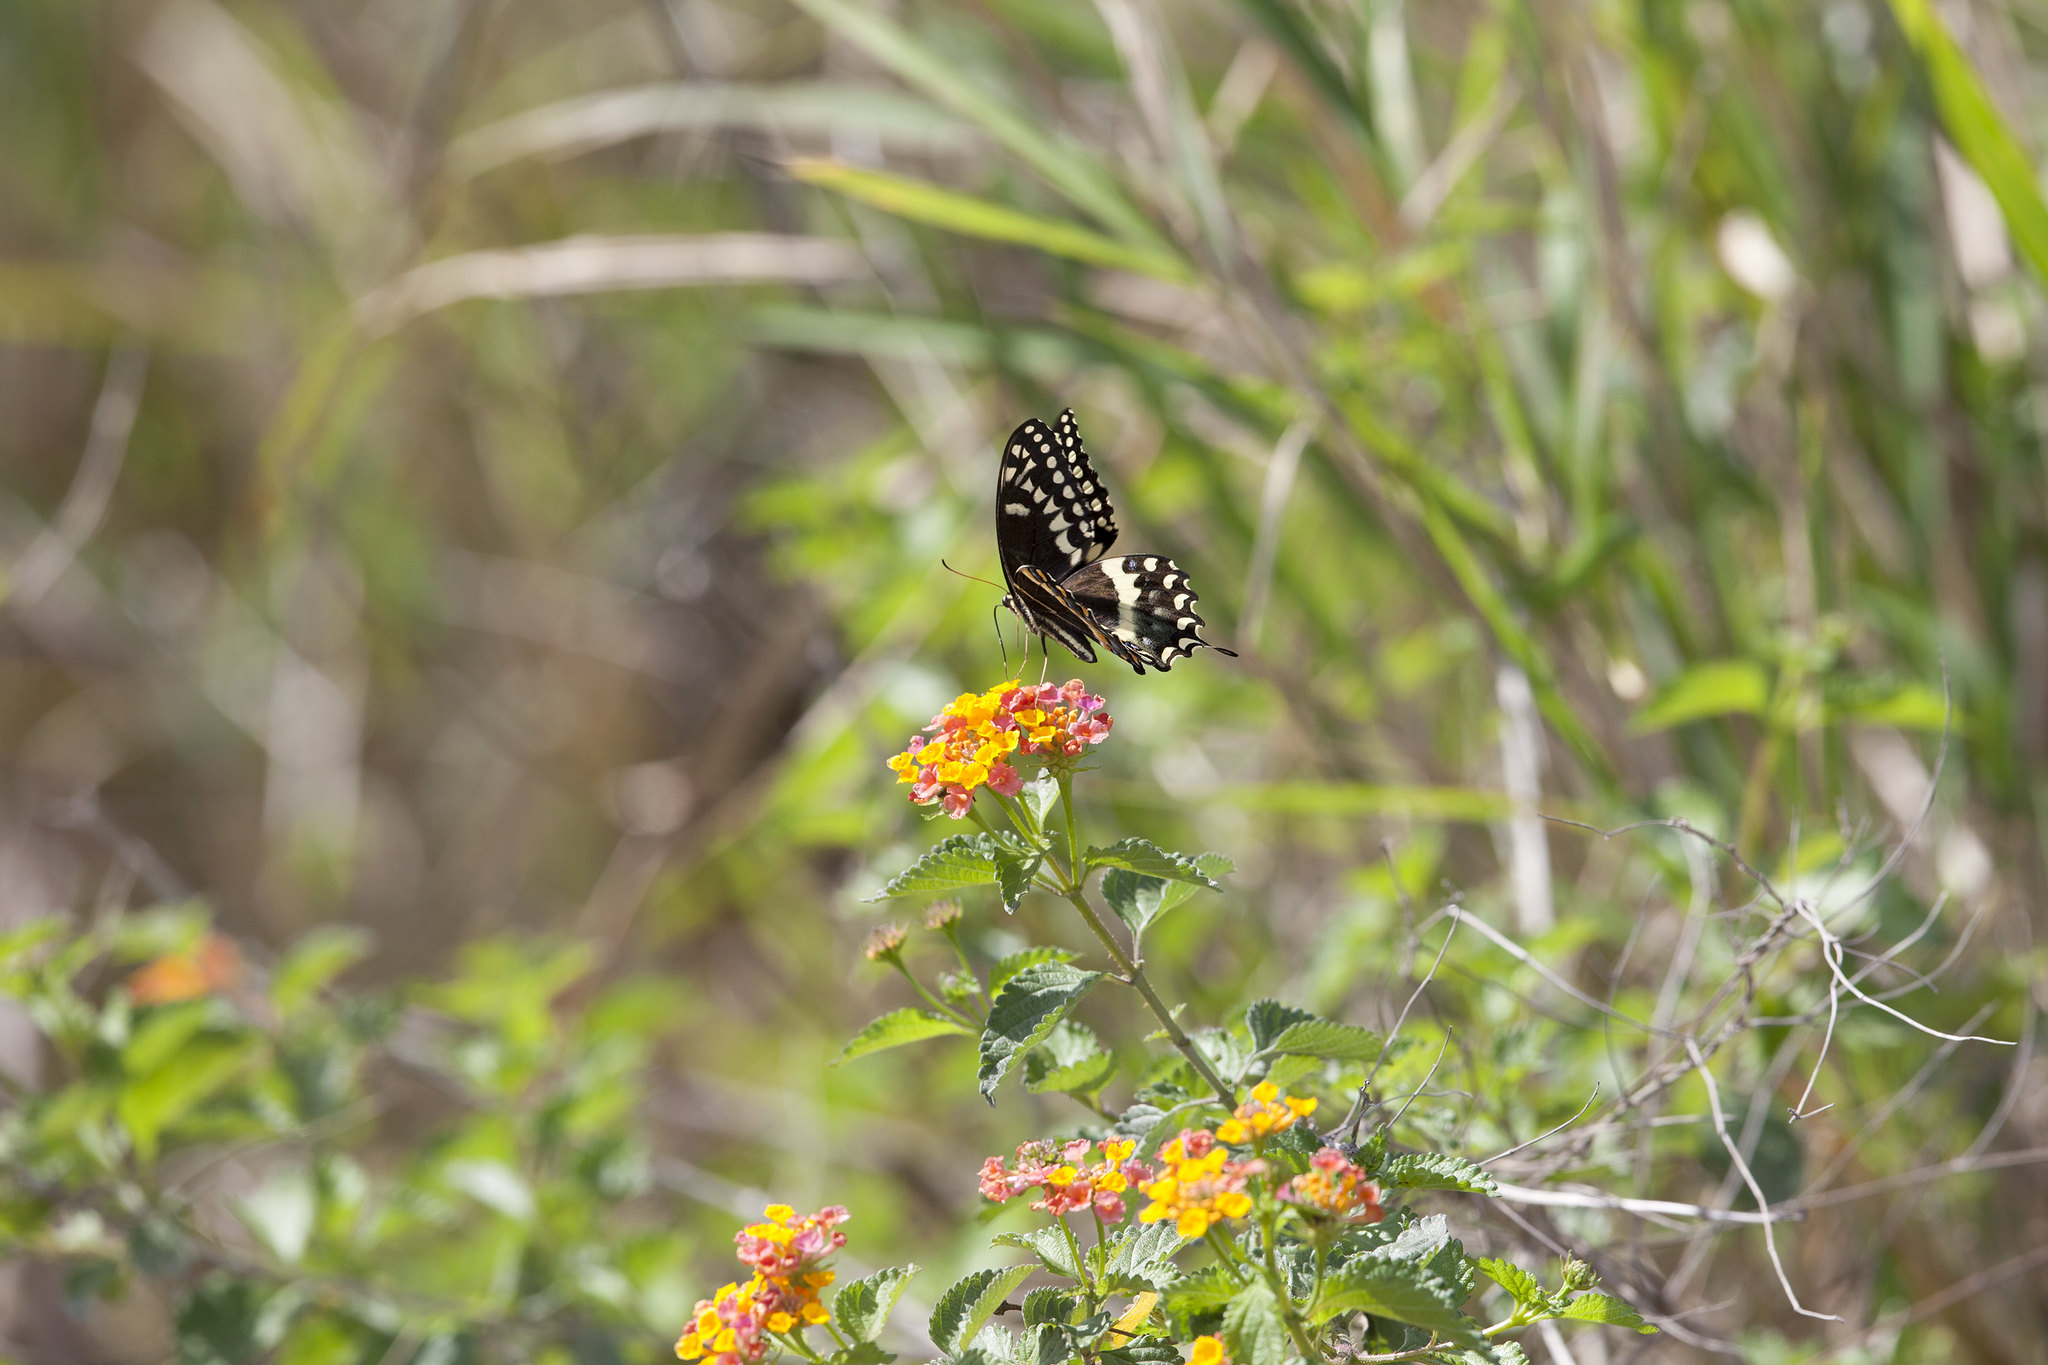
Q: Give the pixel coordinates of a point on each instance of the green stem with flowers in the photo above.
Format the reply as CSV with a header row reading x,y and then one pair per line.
x,y
1130,970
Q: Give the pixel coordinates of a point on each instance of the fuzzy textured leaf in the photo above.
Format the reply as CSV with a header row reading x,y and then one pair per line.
x,y
963,1309
1605,1308
1518,1282
1266,1020
1436,1171
862,1309
1142,855
1071,1061
1048,1245
1328,1039
960,861
1033,1002
896,1028
1141,900
1402,1291
1252,1328
1008,966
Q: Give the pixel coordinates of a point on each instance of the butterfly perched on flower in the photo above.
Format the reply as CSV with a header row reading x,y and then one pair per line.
x,y
1054,525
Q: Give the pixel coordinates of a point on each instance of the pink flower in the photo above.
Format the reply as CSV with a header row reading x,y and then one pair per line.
x,y
958,802
1005,780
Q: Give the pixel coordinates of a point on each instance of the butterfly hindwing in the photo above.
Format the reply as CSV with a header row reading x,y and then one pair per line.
x,y
1051,510
1142,607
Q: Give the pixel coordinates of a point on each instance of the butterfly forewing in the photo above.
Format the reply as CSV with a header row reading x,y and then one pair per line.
x,y
1051,510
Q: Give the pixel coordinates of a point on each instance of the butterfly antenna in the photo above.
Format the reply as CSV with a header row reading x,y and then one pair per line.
x,y
995,619
975,577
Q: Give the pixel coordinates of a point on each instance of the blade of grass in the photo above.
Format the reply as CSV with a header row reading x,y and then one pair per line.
x,y
922,202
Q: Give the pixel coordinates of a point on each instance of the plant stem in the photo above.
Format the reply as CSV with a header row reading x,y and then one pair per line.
x,y
1226,1255
1283,1294
1133,974
941,1006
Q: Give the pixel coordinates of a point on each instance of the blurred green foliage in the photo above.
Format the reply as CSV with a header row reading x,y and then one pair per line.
x,y
479,471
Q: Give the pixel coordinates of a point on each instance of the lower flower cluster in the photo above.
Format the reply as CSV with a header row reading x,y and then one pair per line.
x,y
736,1326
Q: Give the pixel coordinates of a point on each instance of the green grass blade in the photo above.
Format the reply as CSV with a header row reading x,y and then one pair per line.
x,y
926,203
1070,169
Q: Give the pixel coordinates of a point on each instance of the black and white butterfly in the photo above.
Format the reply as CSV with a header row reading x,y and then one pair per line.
x,y
1054,524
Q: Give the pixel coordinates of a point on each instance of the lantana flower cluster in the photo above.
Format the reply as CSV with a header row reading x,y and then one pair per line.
x,y
735,1326
1201,1186
1334,1187
1069,1182
979,738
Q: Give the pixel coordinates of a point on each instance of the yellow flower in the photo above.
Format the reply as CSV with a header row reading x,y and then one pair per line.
x,y
1208,1351
1266,1113
1201,1187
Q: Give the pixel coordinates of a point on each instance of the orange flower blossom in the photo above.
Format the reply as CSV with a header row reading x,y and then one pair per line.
x,y
734,1326
208,966
1209,1351
977,740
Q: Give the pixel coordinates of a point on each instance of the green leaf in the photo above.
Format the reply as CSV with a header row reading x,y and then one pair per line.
x,y
1402,1291
1518,1282
1068,168
1013,877
896,1028
1039,796
1025,1012
1726,687
1071,1061
1206,1289
963,1309
1252,1328
1008,966
861,1353
202,1068
1980,134
1436,1171
960,861
1605,1308
923,202
314,961
1139,1258
862,1308
166,1029
1266,1020
1049,1245
1140,900
1913,707
1142,855
281,1211
1328,1039
30,935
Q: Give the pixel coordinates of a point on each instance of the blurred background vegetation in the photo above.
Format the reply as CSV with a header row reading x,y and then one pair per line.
x,y
477,470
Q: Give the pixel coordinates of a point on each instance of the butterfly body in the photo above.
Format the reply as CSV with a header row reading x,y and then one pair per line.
x,y
1054,527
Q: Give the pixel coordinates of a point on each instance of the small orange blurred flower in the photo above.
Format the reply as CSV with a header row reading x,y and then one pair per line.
x,y
1268,1112
1209,1351
206,968
884,941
